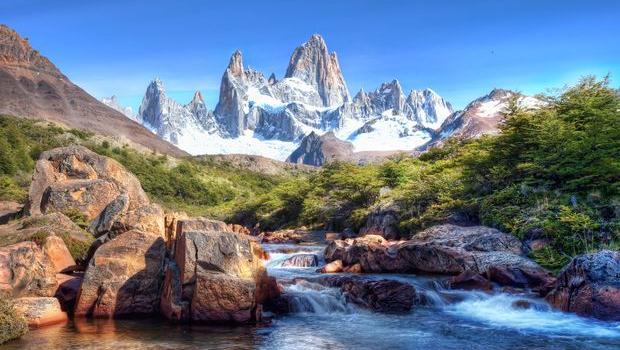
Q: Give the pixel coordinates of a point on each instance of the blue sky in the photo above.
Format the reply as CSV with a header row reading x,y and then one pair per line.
x,y
461,49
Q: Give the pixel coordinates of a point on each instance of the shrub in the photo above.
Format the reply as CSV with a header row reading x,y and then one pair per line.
x,y
12,324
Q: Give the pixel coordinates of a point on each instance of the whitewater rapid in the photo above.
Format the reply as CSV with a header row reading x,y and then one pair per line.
x,y
449,319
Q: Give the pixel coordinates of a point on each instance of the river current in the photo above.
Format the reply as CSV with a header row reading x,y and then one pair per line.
x,y
322,319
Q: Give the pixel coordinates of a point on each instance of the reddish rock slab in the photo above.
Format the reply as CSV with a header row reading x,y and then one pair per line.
x,y
40,311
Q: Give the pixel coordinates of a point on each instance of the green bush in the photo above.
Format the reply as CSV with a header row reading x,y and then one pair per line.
x,y
12,324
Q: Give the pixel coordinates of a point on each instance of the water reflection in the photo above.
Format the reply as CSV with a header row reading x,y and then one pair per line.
x,y
136,334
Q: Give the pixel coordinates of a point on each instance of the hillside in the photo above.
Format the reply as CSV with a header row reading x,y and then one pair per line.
x,y
32,86
211,186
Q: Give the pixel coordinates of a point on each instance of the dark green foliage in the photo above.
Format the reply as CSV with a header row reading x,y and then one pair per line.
x,y
12,324
21,143
77,217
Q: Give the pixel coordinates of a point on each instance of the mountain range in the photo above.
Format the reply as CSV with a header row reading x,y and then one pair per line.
x,y
308,116
286,118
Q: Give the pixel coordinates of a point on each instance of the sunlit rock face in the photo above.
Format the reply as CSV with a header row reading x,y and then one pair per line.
x,y
123,278
216,276
313,64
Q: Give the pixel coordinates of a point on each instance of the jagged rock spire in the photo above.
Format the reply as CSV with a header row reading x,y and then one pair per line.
x,y
313,64
235,65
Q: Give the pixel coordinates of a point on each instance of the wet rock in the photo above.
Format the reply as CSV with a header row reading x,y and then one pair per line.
x,y
25,271
590,286
40,311
355,268
445,249
387,296
301,260
124,277
470,280
333,267
516,271
521,304
57,253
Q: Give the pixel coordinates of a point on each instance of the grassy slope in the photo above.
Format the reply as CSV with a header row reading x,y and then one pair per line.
x,y
199,187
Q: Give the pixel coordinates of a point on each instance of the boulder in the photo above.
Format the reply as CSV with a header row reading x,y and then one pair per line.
x,y
202,225
470,280
387,296
68,290
75,179
293,236
445,249
382,221
25,271
301,260
332,267
216,276
57,253
590,286
124,277
40,311
355,268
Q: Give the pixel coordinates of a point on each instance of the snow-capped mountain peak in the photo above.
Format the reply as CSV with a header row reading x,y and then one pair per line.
x,y
313,64
270,117
112,102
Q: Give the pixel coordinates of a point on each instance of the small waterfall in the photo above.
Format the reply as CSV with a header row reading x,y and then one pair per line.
x,y
308,297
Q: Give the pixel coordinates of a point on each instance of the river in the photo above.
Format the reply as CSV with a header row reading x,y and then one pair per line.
x,y
322,319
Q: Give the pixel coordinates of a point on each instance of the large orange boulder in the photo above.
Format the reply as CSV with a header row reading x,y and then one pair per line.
x,y
446,249
124,277
216,276
75,179
57,253
26,271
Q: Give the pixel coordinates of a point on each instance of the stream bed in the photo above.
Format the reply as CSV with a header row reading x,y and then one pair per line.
x,y
322,319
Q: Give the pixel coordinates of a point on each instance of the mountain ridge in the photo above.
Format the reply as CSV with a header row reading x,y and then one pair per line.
x,y
31,86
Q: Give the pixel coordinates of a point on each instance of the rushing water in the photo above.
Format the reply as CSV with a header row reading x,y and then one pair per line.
x,y
322,319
